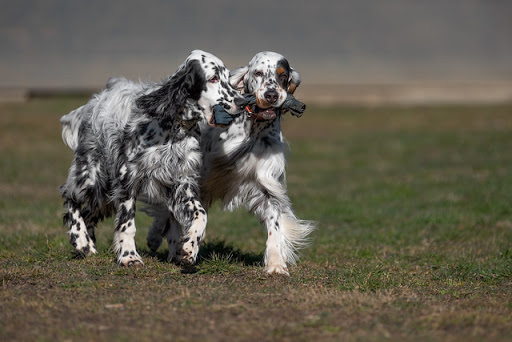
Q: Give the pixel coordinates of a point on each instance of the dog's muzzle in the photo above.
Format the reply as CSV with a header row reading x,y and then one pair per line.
x,y
291,104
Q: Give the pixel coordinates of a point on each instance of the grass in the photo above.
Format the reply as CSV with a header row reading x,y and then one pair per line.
x,y
414,207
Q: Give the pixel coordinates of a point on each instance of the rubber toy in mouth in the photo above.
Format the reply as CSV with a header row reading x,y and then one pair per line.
x,y
220,116
291,104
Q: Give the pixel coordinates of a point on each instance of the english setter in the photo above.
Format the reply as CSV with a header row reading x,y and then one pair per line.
x,y
142,140
244,166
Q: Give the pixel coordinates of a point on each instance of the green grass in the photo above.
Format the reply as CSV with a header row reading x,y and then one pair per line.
x,y
414,238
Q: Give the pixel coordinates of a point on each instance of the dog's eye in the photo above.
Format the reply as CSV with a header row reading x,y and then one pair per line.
x,y
214,79
283,77
258,73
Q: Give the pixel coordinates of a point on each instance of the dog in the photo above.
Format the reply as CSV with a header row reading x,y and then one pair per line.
x,y
244,165
141,140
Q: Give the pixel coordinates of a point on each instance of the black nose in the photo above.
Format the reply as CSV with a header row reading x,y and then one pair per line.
x,y
271,96
240,102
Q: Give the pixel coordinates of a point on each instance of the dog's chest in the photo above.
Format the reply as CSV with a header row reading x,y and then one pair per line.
x,y
243,150
250,136
166,152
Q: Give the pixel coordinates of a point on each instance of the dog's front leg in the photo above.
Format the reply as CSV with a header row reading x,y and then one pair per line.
x,y
124,235
192,217
275,260
268,206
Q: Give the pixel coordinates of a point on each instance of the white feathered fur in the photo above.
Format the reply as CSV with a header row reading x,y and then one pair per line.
x,y
141,140
244,166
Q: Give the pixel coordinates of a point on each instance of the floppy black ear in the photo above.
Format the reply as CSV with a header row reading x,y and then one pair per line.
x,y
195,80
187,83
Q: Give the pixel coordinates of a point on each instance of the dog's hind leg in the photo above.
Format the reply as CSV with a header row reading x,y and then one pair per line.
x,y
174,234
91,218
157,230
124,235
74,193
78,236
164,224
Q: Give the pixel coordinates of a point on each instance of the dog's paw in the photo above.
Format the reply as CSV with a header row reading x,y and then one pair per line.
x,y
186,258
154,242
277,269
188,253
82,243
275,262
92,249
130,258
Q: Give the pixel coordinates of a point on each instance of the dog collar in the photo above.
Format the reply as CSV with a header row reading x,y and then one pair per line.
x,y
251,114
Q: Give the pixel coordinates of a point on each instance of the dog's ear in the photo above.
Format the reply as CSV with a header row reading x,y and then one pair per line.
x,y
194,82
237,77
158,102
187,83
294,81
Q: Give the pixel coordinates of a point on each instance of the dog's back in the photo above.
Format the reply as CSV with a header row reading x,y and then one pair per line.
x,y
106,112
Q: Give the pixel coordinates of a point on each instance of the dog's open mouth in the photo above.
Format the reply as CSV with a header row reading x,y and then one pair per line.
x,y
212,122
261,114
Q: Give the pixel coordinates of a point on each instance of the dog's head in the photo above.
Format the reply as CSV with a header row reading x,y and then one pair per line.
x,y
269,77
198,85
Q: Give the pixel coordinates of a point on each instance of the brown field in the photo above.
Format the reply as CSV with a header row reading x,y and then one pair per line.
x,y
414,206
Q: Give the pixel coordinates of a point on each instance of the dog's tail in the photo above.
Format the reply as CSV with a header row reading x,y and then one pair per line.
x,y
295,235
72,121
70,126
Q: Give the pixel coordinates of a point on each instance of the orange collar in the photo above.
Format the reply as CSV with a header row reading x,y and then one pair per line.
x,y
252,115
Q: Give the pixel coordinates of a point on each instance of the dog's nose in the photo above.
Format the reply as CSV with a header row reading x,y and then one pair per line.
x,y
271,96
240,102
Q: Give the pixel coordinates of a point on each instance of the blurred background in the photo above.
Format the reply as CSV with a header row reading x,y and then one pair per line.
x,y
371,51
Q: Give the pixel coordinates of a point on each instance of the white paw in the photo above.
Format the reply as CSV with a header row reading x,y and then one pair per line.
x,y
130,258
92,249
277,269
82,243
274,263
188,253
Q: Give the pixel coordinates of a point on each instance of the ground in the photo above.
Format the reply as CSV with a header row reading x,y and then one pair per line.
x,y
414,238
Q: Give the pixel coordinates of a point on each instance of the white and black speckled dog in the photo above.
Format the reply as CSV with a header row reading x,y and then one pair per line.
x,y
141,140
244,166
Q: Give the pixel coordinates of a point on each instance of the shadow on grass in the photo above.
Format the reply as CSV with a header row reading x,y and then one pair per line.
x,y
218,250
224,251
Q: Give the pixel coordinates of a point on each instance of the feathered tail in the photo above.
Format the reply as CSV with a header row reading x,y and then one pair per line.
x,y
295,235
